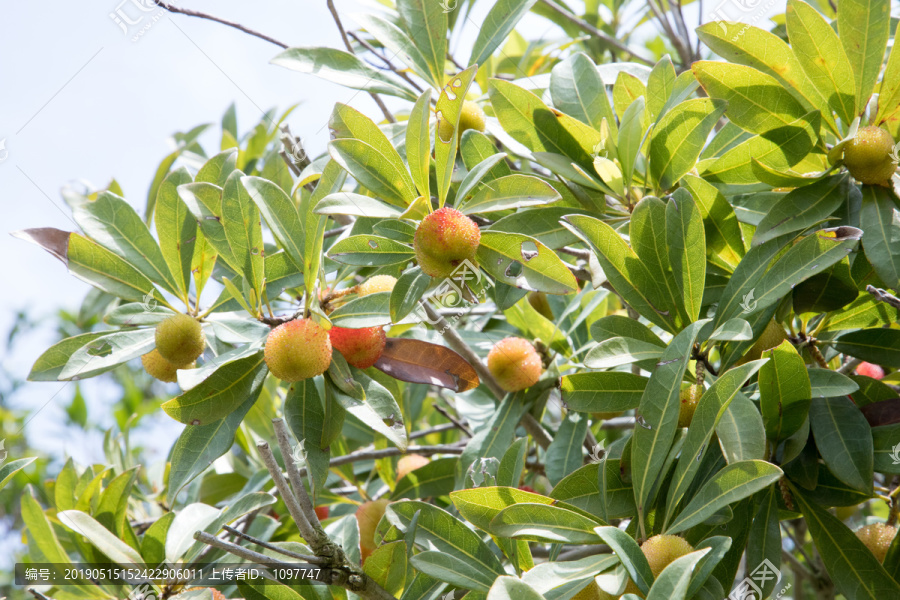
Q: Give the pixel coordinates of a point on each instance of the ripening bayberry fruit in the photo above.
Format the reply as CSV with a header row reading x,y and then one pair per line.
x,y
409,463
527,488
443,240
160,368
298,349
379,283
877,538
690,396
322,512
868,156
660,551
180,340
471,117
514,363
870,370
368,515
360,347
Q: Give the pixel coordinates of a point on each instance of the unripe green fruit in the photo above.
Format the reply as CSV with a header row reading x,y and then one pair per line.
x,y
771,336
471,117
368,515
661,551
868,156
877,538
515,364
379,283
297,350
443,240
690,396
180,340
591,592
360,347
538,301
409,463
160,368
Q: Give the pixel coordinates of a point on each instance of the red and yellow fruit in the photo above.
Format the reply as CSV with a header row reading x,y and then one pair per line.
x,y
445,239
379,283
360,347
297,350
514,363
409,463
870,370
160,368
471,117
180,340
322,512
368,515
868,156
690,397
877,538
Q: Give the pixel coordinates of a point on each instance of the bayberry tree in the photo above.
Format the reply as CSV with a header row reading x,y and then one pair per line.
x,y
574,318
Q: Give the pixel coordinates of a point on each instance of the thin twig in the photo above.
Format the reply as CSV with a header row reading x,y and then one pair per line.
x,y
848,366
385,60
200,15
585,26
576,252
315,560
337,21
284,443
884,296
436,429
530,424
306,529
38,595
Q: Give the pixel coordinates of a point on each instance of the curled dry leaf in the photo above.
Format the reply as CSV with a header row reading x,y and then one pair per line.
x,y
55,241
885,412
416,361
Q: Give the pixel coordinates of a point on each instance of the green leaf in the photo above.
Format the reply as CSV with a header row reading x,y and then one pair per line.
x,y
448,111
117,550
544,523
8,471
176,228
280,214
710,409
784,391
764,543
648,237
618,351
479,506
672,583
387,566
50,364
880,222
853,568
844,440
735,482
378,410
494,436
216,170
658,412
543,225
396,42
418,143
741,289
367,311
724,241
107,351
407,292
660,85
510,588
756,102
810,256
370,250
497,25
624,270
343,69
610,391
381,173
630,555
740,431
564,454
431,480
106,271
190,519
243,231
879,346
524,262
679,137
332,180
864,27
512,191
803,207
687,249
204,200
631,137
305,415
754,47
153,542
578,91
221,393
732,330
540,128
822,56
426,23
826,383
476,174
199,446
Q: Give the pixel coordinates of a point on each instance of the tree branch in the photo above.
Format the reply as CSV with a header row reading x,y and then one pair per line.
x,y
315,560
201,15
884,296
284,443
